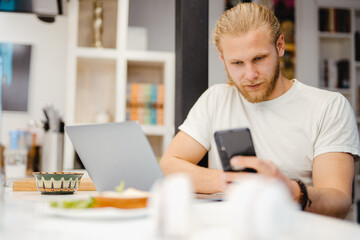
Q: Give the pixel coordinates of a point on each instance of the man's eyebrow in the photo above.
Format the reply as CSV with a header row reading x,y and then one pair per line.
x,y
235,60
264,54
261,55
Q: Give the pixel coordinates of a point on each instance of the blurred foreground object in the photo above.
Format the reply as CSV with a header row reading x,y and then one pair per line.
x,y
171,207
261,208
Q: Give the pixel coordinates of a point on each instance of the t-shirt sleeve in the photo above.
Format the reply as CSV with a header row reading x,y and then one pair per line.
x,y
197,123
337,130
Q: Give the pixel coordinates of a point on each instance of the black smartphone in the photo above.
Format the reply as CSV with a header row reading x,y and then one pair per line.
x,y
234,142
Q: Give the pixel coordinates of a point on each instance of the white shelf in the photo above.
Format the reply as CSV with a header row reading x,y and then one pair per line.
x,y
96,52
98,77
148,56
155,130
335,35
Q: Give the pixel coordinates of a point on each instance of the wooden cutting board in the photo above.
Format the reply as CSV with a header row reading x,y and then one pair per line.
x,y
28,184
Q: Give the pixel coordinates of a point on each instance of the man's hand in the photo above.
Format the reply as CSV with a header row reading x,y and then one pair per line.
x,y
268,169
183,155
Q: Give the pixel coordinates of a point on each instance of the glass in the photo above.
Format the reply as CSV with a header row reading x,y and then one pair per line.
x,y
15,161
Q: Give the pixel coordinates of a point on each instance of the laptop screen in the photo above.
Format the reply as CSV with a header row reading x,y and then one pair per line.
x,y
115,152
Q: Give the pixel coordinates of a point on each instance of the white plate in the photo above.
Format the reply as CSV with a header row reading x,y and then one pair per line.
x,y
97,213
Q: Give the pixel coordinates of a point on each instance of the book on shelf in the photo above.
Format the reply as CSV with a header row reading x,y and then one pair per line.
x,y
323,19
328,73
334,20
343,73
335,73
145,103
160,116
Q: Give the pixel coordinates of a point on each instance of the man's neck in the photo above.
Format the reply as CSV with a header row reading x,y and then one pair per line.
x,y
283,84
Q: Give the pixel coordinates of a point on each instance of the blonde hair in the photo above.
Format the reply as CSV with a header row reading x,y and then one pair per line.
x,y
243,18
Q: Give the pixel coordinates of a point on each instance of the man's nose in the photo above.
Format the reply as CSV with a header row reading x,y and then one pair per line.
x,y
251,72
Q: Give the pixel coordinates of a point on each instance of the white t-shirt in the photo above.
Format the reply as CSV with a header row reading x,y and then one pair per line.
x,y
290,130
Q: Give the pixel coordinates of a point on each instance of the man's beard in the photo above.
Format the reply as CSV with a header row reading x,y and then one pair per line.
x,y
267,87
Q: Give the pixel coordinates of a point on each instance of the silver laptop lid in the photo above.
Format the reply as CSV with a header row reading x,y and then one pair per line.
x,y
115,152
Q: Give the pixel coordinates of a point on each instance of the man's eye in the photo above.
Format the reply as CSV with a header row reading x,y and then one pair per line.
x,y
237,62
258,59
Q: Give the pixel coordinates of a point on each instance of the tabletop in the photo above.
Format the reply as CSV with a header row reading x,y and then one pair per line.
x,y
26,215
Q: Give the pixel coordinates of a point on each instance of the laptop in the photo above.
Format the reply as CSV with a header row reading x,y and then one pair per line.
x,y
115,152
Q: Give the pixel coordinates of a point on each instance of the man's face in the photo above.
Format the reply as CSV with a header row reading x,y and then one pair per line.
x,y
252,64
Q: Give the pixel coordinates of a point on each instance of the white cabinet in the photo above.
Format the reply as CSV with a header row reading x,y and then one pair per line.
x,y
102,82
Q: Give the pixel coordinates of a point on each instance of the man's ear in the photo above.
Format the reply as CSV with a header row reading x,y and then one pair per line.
x,y
280,45
221,56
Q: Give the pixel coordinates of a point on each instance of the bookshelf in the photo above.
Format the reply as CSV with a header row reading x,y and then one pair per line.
x,y
99,78
337,24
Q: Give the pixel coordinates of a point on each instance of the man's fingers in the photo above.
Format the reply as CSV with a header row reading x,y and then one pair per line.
x,y
272,169
263,167
249,162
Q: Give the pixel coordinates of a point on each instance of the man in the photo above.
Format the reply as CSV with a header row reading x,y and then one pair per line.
x,y
304,136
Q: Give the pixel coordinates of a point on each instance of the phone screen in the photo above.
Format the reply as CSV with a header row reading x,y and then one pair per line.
x,y
234,142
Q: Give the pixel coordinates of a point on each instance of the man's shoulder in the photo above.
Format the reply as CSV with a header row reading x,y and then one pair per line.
x,y
321,99
318,94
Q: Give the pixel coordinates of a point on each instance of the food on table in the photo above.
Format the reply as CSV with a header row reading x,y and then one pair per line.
x,y
120,187
75,204
129,199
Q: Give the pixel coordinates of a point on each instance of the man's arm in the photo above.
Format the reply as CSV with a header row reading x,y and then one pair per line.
x,y
333,174
183,155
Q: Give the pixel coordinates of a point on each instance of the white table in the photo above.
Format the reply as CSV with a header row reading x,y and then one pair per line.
x,y
27,219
